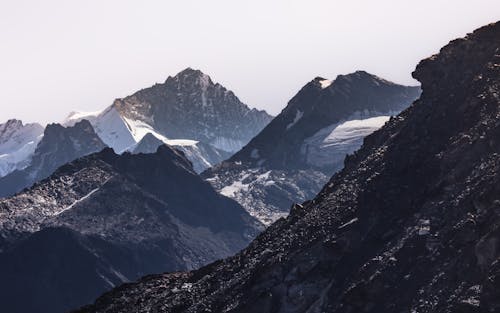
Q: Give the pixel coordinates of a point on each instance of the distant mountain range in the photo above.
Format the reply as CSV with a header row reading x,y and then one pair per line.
x,y
410,224
181,113
106,219
293,157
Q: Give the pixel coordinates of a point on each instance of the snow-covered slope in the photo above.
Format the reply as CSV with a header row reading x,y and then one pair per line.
x,y
331,144
109,126
201,155
17,144
125,134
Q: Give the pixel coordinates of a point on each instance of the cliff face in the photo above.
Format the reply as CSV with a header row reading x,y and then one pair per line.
x,y
412,222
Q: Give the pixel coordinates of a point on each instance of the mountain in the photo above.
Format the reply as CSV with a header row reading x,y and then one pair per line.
x,y
17,144
58,146
106,219
307,142
191,106
314,115
411,224
204,115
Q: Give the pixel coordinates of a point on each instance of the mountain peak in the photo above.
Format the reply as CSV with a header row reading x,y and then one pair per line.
x,y
12,123
192,76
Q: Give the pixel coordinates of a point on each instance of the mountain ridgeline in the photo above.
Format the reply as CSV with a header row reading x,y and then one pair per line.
x,y
106,219
318,105
411,223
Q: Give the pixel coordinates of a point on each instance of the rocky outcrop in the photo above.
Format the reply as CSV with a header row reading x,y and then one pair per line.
x,y
58,146
411,224
106,219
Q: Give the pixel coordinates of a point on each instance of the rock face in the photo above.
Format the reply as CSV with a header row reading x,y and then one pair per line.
x,y
307,142
17,144
190,106
106,219
58,146
411,224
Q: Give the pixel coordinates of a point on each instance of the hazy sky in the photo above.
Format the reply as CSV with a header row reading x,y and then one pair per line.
x,y
62,55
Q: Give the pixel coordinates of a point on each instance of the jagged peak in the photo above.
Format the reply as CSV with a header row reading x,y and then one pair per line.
x,y
82,124
13,123
190,75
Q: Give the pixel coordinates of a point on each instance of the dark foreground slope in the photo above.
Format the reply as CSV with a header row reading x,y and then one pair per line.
x,y
106,219
411,224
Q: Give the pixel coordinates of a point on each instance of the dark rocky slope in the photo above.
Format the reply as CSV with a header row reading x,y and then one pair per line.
x,y
411,224
293,157
106,219
58,146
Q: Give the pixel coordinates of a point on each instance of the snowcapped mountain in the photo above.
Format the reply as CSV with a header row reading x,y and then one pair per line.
x,y
308,141
106,219
411,224
57,146
317,109
188,111
191,106
17,144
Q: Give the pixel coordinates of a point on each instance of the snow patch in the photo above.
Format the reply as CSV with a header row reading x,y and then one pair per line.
x,y
325,83
80,200
331,144
298,116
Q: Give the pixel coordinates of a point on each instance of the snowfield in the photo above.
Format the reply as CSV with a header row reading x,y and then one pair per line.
x,y
331,144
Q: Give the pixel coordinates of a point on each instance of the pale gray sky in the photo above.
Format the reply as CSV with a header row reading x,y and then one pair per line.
x,y
62,55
